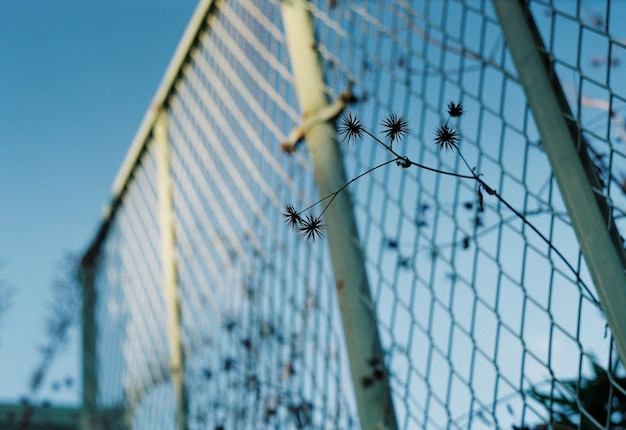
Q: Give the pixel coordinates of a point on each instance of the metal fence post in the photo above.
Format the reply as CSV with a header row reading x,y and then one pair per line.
x,y
582,193
170,272
374,403
87,275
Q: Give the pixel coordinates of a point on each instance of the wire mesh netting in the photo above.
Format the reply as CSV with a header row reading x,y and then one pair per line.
x,y
260,324
484,322
484,325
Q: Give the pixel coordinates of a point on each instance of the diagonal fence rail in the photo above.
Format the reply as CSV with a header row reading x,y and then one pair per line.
x,y
204,310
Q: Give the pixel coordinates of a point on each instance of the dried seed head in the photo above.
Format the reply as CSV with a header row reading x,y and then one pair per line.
x,y
350,128
446,137
312,227
292,217
455,110
395,127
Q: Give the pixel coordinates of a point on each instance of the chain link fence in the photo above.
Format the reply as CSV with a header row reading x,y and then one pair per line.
x,y
487,318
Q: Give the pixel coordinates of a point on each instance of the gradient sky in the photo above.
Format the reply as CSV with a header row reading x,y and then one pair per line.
x,y
76,78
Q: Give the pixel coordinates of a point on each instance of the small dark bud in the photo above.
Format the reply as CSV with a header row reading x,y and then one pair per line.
x,y
405,163
455,110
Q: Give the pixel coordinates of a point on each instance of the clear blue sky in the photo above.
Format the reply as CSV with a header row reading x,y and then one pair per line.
x,y
76,78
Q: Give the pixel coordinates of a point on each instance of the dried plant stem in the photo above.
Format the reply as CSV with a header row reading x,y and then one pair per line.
x,y
413,163
343,187
447,138
523,218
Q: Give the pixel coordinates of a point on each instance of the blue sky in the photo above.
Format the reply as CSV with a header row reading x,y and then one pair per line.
x,y
76,78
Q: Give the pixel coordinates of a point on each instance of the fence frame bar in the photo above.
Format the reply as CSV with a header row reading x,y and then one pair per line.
x,y
164,91
124,176
358,313
87,275
567,151
171,292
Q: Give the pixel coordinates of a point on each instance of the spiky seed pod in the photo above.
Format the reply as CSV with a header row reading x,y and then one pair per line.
x,y
455,110
395,127
292,217
446,137
350,128
312,227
